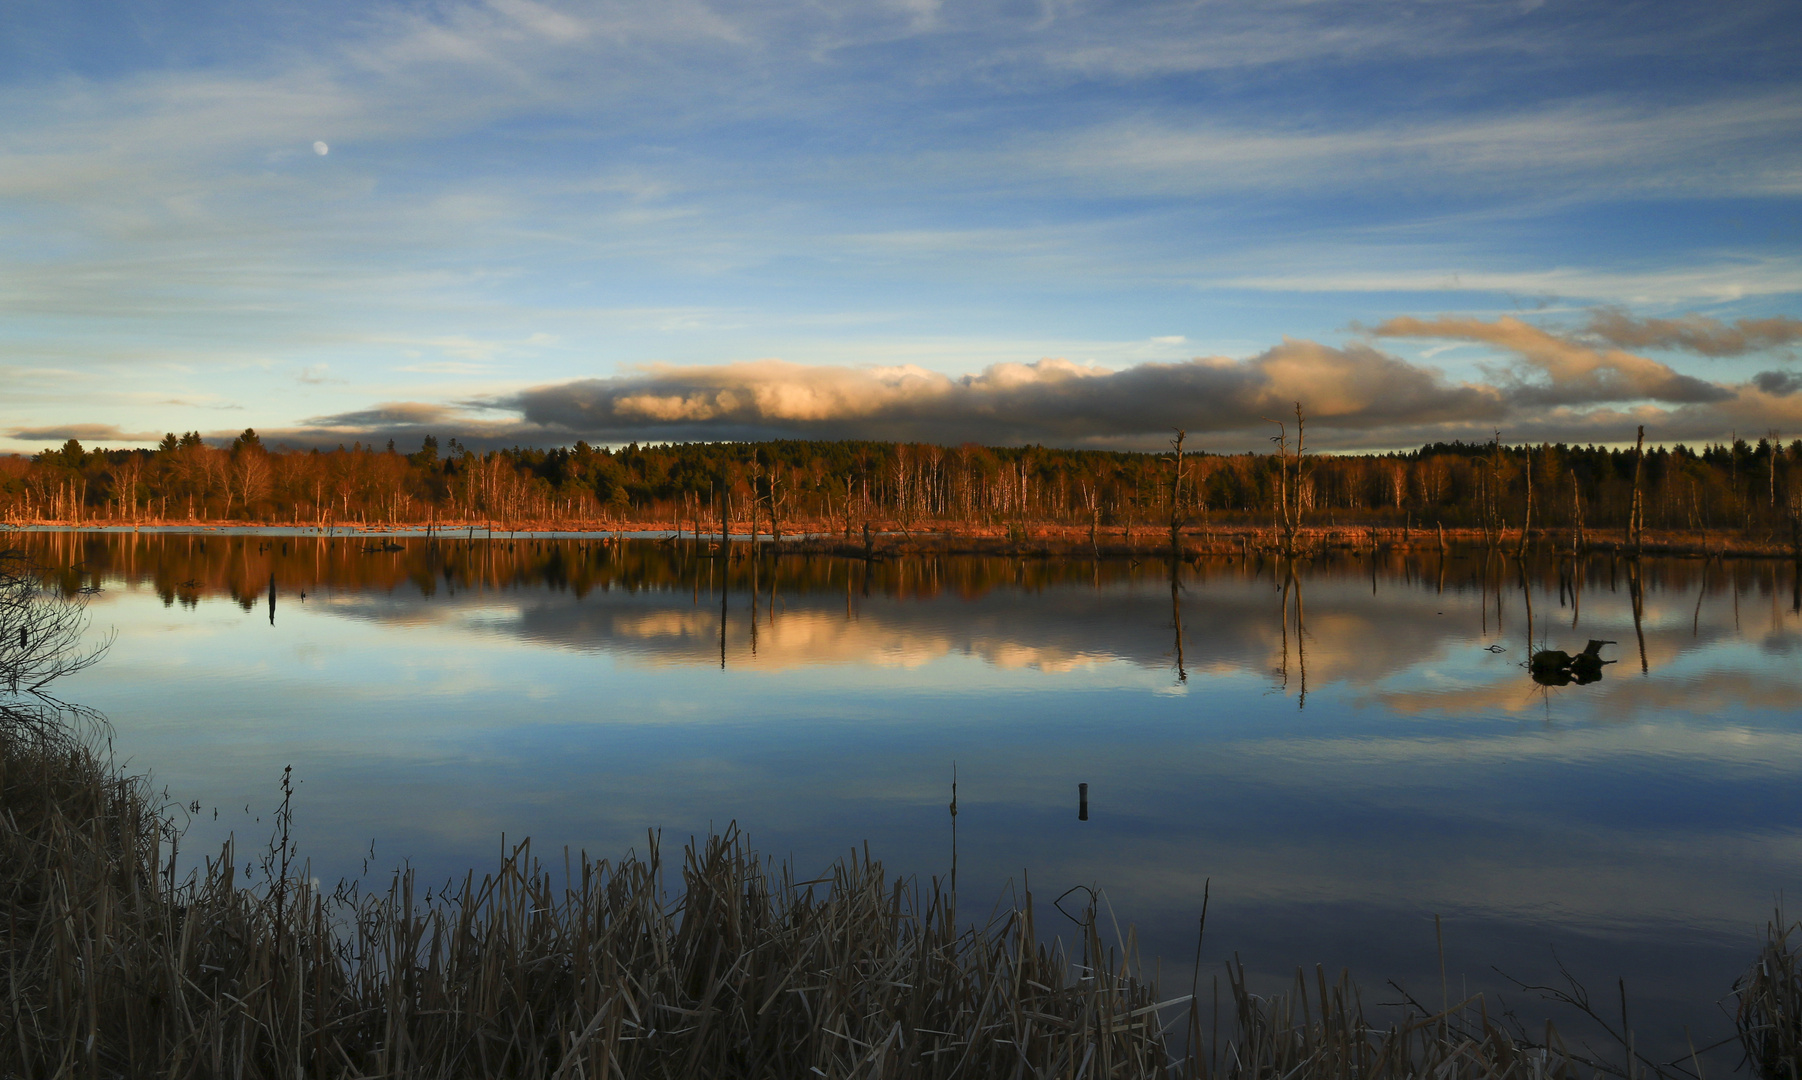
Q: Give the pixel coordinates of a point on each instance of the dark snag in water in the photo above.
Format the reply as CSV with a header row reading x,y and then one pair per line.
x,y
1555,667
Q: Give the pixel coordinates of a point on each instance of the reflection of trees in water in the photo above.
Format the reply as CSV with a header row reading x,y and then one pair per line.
x,y
1292,586
1083,607
1638,596
41,632
185,567
1176,617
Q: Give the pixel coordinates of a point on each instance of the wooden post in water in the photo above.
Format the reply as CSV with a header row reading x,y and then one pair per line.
x,y
1082,802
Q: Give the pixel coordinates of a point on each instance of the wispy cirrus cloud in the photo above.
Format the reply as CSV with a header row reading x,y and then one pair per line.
x,y
1714,279
1723,146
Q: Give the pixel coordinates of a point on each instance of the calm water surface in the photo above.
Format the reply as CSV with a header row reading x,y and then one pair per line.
x,y
1345,753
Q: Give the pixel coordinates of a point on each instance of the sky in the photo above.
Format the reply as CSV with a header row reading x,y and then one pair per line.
x,y
1074,223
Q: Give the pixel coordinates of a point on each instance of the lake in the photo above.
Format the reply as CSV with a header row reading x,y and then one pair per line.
x,y
1340,750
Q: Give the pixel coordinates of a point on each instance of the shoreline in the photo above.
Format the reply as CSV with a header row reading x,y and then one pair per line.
x,y
886,538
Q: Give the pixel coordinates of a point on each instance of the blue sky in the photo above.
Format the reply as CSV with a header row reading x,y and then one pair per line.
x,y
1070,222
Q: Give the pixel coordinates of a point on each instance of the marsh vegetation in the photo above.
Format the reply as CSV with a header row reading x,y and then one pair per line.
x,y
114,966
124,959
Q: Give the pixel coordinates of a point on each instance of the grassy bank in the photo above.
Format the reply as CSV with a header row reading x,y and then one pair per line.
x,y
726,966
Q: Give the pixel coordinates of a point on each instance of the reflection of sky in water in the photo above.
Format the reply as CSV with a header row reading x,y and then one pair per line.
x,y
1644,825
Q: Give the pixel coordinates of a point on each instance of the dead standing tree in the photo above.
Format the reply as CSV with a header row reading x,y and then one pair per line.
x,y
775,497
1576,509
1774,439
1636,512
1289,477
1526,521
1176,494
1492,495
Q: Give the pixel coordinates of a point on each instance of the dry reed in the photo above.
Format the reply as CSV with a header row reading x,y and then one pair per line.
x,y
113,967
1769,1016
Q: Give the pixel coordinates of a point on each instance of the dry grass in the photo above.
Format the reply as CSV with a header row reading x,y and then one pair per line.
x,y
1769,1016
113,968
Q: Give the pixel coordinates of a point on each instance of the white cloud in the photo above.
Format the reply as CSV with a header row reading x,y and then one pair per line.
x,y
1574,373
1694,333
1543,386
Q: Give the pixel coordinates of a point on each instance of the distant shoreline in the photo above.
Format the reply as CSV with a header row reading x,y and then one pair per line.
x,y
1040,539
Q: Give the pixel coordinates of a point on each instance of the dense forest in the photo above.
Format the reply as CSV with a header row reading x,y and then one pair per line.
x,y
791,485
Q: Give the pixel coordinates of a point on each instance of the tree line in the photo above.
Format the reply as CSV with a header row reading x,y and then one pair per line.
x,y
788,484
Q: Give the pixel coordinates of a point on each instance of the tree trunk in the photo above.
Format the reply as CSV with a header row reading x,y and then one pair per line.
x,y
1636,514
1176,495
1526,521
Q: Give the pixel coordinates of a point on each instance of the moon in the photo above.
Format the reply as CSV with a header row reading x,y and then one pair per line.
x,y
321,149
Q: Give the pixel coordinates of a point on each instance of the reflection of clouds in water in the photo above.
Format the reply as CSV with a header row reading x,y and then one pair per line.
x,y
669,628
1617,883
1739,746
1717,692
1409,646
797,638
1781,642
1425,775
1622,695
1228,626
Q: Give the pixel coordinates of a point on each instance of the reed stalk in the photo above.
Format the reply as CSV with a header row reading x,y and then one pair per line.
x,y
115,967
1769,1013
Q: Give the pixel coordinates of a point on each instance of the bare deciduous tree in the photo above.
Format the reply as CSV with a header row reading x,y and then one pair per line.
x,y
1290,477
